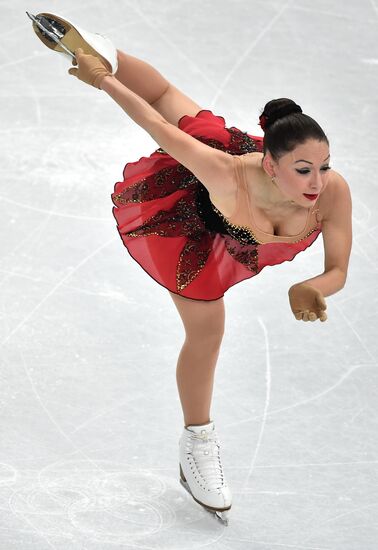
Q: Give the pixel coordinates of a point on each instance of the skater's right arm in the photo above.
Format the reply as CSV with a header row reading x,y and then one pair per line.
x,y
214,168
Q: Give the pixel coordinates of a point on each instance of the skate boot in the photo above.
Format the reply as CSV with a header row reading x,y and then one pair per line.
x,y
201,472
64,37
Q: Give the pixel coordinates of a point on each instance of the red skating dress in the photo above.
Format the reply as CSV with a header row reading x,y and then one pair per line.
x,y
171,228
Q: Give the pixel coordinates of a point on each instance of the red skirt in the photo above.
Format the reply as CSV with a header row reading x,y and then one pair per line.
x,y
166,221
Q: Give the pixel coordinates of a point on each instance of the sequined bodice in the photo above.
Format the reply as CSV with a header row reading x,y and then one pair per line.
x,y
241,224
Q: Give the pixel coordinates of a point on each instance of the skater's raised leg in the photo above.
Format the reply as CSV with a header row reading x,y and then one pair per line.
x,y
146,81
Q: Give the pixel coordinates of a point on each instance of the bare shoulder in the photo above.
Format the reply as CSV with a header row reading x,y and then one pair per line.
x,y
337,226
336,198
338,181
225,198
253,160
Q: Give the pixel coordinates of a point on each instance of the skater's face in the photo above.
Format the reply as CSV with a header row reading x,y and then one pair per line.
x,y
303,170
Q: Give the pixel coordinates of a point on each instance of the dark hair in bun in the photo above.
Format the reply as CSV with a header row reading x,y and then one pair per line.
x,y
286,126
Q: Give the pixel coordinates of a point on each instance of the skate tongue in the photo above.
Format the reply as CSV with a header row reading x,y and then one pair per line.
x,y
209,427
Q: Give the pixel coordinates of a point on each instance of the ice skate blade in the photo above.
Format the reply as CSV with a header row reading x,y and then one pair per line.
x,y
49,32
70,37
222,515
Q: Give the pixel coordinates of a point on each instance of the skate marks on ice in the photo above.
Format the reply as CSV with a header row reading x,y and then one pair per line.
x,y
73,502
8,475
242,58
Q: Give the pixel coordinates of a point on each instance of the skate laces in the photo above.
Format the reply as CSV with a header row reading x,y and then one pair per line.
x,y
204,449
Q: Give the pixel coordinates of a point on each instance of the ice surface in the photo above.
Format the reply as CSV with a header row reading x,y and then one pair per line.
x,y
90,413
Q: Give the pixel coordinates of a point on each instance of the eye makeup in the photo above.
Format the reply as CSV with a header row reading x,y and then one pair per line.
x,y
307,171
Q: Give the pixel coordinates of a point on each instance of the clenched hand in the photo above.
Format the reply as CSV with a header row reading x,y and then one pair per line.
x,y
307,303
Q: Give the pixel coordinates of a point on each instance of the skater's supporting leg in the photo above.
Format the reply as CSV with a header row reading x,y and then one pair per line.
x,y
144,80
204,328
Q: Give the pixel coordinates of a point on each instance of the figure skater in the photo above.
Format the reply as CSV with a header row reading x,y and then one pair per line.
x,y
212,206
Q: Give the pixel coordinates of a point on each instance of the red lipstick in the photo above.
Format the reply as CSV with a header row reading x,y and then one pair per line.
x,y
310,197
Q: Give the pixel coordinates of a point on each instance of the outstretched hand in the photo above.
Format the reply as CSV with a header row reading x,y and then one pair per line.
x,y
91,69
307,303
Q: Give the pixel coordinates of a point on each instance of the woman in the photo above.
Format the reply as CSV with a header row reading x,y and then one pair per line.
x,y
210,207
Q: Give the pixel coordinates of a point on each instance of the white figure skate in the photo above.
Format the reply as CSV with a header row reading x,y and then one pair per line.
x,y
64,37
201,472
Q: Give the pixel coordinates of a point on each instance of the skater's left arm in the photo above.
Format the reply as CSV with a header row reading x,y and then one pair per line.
x,y
337,239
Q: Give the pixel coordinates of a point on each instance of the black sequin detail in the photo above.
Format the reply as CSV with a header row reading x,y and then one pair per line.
x,y
240,143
